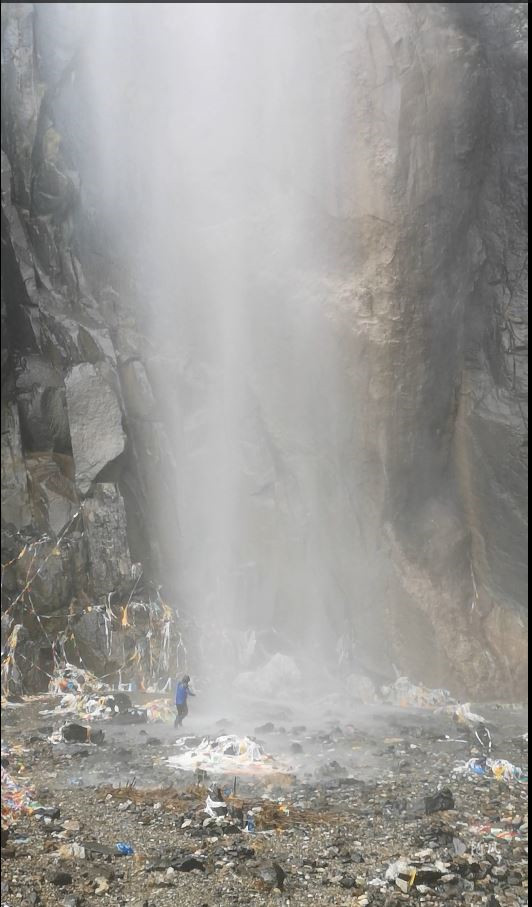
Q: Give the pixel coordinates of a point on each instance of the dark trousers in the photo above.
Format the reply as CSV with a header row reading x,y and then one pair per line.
x,y
182,712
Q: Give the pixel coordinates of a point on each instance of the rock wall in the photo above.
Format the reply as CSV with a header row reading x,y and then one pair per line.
x,y
70,469
379,381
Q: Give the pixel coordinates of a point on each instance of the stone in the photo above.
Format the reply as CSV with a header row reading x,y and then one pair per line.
x,y
95,420
61,878
105,524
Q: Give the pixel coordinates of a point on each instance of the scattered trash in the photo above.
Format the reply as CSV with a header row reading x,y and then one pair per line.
x,y
500,769
463,715
126,850
16,798
160,710
71,679
406,694
227,754
101,885
72,850
215,804
250,823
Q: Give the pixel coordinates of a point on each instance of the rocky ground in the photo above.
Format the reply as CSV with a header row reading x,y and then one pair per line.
x,y
360,799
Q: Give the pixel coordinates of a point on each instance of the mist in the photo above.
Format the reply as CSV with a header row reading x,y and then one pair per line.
x,y
218,152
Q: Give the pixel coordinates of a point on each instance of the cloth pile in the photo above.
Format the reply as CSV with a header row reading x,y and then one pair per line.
x,y
227,754
15,798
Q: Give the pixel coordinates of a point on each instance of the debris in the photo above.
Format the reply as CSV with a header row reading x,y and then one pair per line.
x,y
463,715
16,798
215,804
126,850
101,885
47,812
272,875
226,754
160,710
348,882
500,769
77,733
61,878
177,861
406,694
439,801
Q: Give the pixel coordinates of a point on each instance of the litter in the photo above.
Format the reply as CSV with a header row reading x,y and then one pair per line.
x,y
160,710
215,804
16,798
463,715
499,834
227,754
126,850
500,769
406,694
71,679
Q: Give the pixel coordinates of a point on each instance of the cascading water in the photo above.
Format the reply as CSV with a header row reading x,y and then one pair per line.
x,y
213,125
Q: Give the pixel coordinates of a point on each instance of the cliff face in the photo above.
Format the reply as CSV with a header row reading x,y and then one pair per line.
x,y
347,456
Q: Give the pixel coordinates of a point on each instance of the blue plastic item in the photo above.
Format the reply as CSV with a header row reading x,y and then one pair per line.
x,y
125,849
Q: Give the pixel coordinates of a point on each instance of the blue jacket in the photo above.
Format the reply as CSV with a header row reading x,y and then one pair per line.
x,y
181,693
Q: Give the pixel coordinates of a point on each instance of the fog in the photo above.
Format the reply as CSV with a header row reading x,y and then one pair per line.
x,y
218,154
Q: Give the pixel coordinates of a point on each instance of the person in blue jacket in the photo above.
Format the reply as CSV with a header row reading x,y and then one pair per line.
x,y
181,695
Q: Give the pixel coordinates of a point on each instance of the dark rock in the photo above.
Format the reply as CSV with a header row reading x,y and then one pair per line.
x,y
94,849
348,882
78,733
61,878
273,875
267,728
439,801
48,812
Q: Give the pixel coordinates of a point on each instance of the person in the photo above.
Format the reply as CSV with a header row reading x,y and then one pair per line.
x,y
182,693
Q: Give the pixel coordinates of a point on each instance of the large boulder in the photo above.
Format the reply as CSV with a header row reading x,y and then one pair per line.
x,y
95,420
